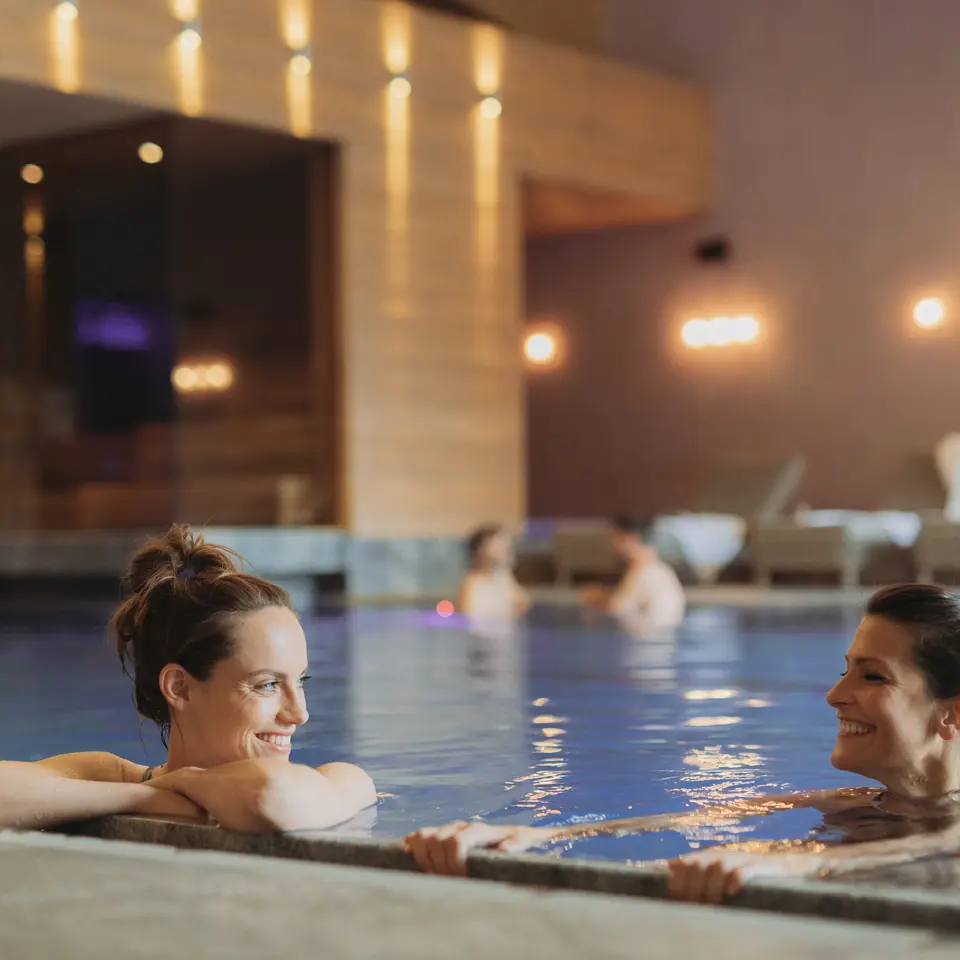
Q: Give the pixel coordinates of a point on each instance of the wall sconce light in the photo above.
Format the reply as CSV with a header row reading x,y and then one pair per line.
x,y
301,63
31,173
543,347
213,377
400,87
68,10
720,331
929,313
491,107
150,152
191,36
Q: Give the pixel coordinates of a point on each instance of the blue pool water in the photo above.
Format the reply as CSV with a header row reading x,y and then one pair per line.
x,y
555,721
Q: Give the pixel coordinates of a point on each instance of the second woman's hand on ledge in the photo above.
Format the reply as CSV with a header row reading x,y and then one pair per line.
x,y
444,850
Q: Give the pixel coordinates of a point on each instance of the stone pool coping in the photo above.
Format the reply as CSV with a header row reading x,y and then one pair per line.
x,y
864,901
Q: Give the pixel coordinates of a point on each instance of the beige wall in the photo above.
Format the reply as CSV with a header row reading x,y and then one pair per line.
x,y
578,23
430,274
836,182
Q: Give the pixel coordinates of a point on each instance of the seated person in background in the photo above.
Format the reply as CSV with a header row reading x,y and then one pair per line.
x,y
489,590
649,587
218,661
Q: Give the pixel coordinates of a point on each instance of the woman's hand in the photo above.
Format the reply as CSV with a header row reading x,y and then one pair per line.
x,y
444,850
702,882
595,597
710,875
163,800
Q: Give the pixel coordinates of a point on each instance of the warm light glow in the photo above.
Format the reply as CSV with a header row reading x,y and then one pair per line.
x,y
203,377
295,23
33,220
150,152
397,156
711,721
489,225
185,10
295,27
31,173
487,59
400,88
486,192
745,329
188,72
190,38
184,378
445,608
395,30
709,694
540,348
491,108
929,313
34,249
720,331
67,11
218,376
396,25
299,101
300,64
65,49
696,333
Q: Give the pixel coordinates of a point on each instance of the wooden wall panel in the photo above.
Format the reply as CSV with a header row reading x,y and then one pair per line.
x,y
578,23
430,231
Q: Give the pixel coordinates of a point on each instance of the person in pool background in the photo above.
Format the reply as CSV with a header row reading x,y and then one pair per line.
x,y
898,714
649,590
218,660
490,590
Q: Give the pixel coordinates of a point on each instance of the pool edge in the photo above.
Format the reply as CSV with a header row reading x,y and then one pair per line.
x,y
866,903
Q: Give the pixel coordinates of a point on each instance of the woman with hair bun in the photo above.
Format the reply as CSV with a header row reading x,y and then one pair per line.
x,y
218,661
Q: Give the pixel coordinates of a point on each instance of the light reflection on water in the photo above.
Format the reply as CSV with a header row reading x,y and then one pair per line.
x,y
558,720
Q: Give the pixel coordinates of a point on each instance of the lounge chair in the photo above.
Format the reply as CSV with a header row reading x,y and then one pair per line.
x,y
843,542
705,539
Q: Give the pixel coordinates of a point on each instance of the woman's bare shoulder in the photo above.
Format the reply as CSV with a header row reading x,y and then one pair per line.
x,y
94,765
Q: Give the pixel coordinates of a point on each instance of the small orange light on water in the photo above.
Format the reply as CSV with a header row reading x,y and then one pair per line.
x,y
445,608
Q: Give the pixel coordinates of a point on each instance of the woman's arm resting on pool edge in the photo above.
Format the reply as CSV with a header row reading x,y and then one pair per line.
x,y
38,795
709,875
269,796
444,849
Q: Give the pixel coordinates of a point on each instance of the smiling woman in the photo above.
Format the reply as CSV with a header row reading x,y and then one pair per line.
x,y
898,711
218,660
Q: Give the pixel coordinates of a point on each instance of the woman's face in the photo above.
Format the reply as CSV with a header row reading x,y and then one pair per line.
x,y
253,702
891,728
498,551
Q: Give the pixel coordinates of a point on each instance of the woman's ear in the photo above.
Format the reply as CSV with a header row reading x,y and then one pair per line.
x,y
174,685
950,719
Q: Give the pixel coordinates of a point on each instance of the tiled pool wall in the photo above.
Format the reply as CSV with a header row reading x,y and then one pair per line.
x,y
920,894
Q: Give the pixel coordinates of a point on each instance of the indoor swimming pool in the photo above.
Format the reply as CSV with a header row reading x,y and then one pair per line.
x,y
556,720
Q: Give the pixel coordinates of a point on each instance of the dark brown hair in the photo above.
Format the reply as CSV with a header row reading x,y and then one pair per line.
x,y
634,526
932,615
183,596
478,540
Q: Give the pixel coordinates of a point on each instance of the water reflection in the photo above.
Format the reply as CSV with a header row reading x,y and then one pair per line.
x,y
495,652
432,707
709,694
552,720
649,655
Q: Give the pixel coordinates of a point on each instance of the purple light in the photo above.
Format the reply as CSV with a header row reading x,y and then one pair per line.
x,y
112,326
